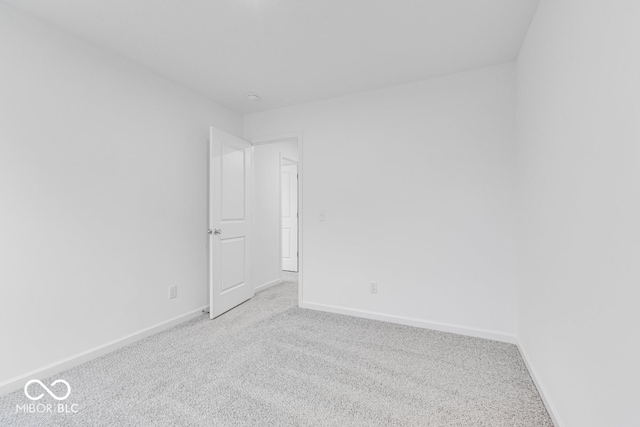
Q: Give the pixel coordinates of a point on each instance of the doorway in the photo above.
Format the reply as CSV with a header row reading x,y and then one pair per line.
x,y
278,212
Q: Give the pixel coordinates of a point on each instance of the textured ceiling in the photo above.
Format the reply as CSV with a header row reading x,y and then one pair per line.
x,y
296,51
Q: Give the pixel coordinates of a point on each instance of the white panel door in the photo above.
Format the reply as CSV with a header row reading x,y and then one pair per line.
x,y
229,222
289,210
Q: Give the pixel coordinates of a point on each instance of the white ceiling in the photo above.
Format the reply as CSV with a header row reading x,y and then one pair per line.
x,y
296,51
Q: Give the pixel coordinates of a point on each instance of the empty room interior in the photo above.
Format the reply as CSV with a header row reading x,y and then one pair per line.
x,y
320,213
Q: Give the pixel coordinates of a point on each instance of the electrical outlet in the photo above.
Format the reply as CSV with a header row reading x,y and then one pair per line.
x,y
373,287
173,292
321,217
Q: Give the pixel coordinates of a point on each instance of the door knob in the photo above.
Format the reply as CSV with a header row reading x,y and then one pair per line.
x,y
217,231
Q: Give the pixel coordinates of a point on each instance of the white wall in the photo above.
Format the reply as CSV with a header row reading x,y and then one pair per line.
x,y
579,156
418,186
102,195
265,245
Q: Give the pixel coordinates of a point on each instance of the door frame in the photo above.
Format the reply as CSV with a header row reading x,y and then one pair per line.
x,y
287,137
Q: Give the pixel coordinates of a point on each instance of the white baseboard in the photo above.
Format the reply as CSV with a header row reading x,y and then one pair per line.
x,y
420,323
542,391
18,382
267,285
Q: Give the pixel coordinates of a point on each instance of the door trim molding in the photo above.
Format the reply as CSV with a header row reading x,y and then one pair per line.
x,y
282,137
293,137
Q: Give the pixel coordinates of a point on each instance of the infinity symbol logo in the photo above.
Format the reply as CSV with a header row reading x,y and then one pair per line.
x,y
26,391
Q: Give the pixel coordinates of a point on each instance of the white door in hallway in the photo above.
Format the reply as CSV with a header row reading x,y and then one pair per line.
x,y
289,210
229,222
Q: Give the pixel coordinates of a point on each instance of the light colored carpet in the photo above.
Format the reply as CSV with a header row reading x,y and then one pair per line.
x,y
269,363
